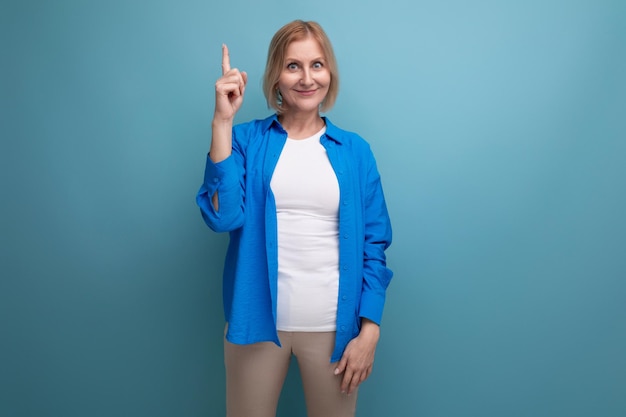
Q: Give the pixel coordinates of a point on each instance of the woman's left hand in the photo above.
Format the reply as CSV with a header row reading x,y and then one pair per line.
x,y
358,358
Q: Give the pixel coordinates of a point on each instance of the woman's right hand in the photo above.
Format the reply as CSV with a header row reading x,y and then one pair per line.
x,y
229,90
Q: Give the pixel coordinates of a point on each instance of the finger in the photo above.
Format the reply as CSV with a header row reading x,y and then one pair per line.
x,y
233,75
228,88
347,379
341,366
225,59
244,77
354,384
231,83
242,82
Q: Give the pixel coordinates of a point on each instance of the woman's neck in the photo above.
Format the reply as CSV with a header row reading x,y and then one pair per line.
x,y
301,126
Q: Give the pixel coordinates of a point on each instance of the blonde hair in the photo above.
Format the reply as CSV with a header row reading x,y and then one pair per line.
x,y
295,31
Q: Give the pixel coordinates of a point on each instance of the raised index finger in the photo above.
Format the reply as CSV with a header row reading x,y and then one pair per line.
x,y
225,59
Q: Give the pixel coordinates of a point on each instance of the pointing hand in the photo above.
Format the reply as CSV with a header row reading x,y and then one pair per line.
x,y
229,89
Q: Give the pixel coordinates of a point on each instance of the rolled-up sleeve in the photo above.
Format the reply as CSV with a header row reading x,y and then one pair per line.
x,y
226,178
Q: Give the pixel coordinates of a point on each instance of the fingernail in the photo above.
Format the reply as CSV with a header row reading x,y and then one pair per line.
x,y
336,371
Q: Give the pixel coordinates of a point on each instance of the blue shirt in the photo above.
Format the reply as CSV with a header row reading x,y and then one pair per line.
x,y
247,211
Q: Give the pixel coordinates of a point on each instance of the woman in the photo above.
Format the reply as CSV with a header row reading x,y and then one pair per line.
x,y
305,272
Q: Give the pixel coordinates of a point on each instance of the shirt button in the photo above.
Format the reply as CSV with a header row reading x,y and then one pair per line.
x,y
344,297
345,267
345,236
343,328
345,203
216,180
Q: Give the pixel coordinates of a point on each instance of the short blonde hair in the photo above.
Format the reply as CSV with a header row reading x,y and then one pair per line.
x,y
295,31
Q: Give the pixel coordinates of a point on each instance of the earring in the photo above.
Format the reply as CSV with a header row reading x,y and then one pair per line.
x,y
279,98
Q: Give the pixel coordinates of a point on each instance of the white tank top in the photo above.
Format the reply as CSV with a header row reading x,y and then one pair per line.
x,y
306,192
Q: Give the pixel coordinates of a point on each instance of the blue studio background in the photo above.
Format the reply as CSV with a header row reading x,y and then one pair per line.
x,y
500,131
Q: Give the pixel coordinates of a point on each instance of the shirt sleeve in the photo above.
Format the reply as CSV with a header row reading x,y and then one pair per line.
x,y
376,275
226,178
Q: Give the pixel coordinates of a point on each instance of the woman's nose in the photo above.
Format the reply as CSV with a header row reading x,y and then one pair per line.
x,y
306,77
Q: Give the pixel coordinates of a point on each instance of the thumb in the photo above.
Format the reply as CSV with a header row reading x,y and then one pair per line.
x,y
244,75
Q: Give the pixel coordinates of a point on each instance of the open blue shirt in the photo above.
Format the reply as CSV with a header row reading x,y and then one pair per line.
x,y
248,211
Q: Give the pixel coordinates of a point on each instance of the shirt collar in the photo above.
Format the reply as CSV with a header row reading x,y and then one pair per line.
x,y
332,131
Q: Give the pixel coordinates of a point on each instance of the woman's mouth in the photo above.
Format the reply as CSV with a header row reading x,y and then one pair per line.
x,y
306,92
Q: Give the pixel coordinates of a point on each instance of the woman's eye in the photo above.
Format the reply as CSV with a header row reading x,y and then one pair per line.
x,y
318,65
292,66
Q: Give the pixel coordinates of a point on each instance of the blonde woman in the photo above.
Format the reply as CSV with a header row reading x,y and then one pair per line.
x,y
305,272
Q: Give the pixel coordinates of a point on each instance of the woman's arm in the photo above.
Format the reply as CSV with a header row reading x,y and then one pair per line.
x,y
358,358
220,197
229,92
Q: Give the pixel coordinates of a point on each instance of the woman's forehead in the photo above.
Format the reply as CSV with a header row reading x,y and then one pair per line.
x,y
304,48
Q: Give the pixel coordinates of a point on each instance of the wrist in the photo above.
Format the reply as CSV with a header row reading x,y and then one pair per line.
x,y
369,328
219,123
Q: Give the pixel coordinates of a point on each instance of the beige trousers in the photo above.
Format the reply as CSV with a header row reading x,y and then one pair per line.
x,y
255,375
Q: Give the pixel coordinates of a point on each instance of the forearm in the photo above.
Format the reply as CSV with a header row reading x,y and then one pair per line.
x,y
221,140
369,329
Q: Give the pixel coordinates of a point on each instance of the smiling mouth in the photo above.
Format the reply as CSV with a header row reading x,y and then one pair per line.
x,y
307,92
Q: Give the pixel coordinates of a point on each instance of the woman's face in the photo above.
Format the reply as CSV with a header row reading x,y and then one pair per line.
x,y
305,79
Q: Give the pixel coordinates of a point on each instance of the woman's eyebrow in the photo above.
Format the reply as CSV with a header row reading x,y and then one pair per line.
x,y
299,61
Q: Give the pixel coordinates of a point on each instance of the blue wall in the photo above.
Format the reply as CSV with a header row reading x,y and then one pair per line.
x,y
500,131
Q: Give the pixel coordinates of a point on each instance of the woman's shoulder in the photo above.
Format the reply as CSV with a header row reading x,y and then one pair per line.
x,y
252,130
346,137
255,124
